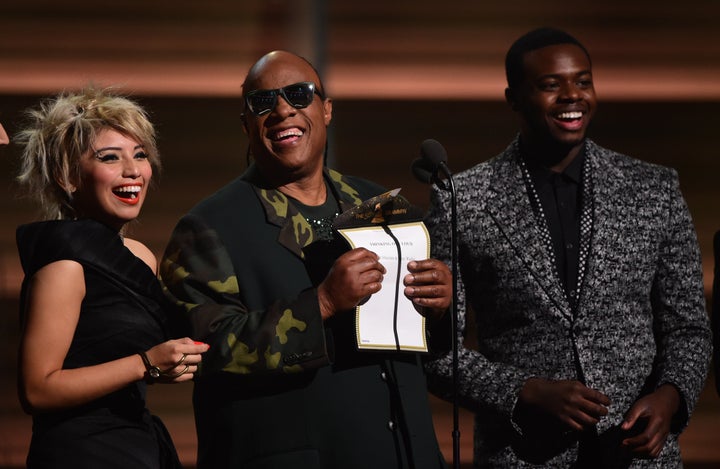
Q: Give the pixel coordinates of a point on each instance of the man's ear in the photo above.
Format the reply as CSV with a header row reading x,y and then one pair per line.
x,y
511,99
243,119
4,139
327,110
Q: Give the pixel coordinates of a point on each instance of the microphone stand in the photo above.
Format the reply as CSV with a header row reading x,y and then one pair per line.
x,y
450,187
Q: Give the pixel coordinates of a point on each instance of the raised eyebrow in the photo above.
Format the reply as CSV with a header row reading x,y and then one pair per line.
x,y
556,76
549,76
584,71
100,150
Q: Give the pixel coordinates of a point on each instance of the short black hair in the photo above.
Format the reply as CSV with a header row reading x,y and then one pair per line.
x,y
533,40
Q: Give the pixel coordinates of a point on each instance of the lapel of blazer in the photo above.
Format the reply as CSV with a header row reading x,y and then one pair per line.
x,y
509,206
605,194
295,232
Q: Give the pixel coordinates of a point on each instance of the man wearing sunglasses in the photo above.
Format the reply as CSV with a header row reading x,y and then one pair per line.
x,y
283,385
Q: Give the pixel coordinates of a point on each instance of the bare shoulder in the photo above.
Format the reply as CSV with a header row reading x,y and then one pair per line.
x,y
142,252
64,271
56,289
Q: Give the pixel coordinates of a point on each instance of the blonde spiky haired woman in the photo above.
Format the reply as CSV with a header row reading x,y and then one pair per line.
x,y
94,323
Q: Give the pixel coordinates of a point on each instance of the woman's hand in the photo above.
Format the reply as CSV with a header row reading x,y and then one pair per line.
x,y
174,361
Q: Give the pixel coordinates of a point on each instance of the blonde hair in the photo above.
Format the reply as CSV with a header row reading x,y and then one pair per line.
x,y
63,129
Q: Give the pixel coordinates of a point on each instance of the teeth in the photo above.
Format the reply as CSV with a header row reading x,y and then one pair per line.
x,y
131,192
134,189
294,132
570,115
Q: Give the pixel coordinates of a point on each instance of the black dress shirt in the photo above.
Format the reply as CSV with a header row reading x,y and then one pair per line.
x,y
560,197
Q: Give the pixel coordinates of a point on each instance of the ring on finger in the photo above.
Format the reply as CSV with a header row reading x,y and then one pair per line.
x,y
182,359
172,367
175,375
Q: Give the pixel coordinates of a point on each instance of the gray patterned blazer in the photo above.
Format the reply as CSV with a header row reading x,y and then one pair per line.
x,y
640,319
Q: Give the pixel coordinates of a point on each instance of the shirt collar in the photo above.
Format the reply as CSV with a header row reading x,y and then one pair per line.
x,y
572,173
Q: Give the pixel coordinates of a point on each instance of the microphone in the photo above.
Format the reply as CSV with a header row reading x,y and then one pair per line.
x,y
433,152
433,158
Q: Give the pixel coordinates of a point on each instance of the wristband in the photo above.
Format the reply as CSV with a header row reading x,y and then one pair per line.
x,y
152,370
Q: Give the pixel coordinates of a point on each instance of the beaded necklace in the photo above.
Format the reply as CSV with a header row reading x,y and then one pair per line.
x,y
323,226
586,222
320,217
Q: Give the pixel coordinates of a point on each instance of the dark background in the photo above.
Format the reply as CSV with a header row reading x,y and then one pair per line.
x,y
399,72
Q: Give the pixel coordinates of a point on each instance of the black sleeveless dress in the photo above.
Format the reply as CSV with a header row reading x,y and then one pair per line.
x,y
120,315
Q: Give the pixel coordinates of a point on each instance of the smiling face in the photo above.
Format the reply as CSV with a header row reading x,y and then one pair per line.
x,y
287,143
114,177
556,98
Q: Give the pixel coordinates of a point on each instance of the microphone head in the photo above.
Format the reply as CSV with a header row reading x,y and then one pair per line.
x,y
433,152
428,175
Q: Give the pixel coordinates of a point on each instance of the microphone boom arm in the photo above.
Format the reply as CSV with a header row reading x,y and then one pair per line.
x,y
449,186
427,168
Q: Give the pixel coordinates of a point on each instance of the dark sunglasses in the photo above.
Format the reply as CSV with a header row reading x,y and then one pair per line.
x,y
298,95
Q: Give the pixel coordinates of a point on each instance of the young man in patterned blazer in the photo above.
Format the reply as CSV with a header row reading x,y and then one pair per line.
x,y
582,271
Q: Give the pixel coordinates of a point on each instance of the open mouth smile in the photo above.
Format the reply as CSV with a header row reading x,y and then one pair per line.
x,y
570,120
290,134
129,194
570,115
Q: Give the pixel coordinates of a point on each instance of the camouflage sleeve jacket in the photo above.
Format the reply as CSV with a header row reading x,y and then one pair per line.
x,y
235,265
